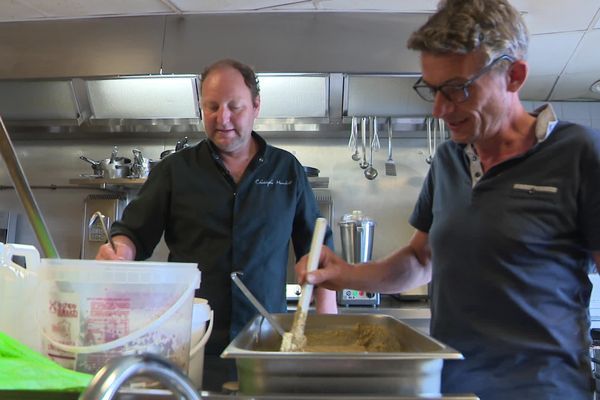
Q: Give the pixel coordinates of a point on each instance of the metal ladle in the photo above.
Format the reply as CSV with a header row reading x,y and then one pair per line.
x,y
371,173
363,133
235,278
354,139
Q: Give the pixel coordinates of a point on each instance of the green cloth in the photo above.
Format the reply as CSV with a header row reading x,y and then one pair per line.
x,y
24,369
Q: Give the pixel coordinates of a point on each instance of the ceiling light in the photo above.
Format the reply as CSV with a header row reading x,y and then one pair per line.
x,y
595,88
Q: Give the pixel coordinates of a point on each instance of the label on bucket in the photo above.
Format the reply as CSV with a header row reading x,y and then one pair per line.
x,y
63,310
86,317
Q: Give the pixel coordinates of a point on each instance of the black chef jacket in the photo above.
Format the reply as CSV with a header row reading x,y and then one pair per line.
x,y
207,219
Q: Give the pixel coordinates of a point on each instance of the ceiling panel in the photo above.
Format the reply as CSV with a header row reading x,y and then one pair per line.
x,y
557,15
587,55
195,6
12,10
576,86
190,6
548,54
300,6
379,5
86,8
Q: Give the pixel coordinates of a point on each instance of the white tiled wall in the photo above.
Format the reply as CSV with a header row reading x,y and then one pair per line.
x,y
580,112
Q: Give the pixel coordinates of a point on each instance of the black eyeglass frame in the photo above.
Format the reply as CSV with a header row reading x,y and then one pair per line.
x,y
457,88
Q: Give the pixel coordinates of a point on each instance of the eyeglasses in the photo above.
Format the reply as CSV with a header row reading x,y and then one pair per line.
x,y
455,92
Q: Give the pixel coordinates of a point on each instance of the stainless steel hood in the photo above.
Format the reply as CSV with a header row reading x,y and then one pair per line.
x,y
164,106
83,76
67,108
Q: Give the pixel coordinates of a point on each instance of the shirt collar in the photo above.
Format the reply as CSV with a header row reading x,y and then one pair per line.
x,y
260,154
546,120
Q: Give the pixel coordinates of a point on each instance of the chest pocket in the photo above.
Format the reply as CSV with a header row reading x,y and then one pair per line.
x,y
533,198
534,191
536,211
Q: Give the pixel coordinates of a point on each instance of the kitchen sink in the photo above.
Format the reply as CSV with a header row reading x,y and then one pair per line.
x,y
153,394
157,394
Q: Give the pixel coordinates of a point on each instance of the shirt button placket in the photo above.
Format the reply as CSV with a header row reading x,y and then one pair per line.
x,y
234,239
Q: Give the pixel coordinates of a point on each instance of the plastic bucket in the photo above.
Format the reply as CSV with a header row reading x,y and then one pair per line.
x,y
18,288
95,310
202,325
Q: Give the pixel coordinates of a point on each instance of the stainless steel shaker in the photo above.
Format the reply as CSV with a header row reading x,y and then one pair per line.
x,y
356,234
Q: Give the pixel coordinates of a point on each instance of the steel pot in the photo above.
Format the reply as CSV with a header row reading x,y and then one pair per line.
x,y
166,153
119,167
142,169
181,144
95,165
141,166
311,172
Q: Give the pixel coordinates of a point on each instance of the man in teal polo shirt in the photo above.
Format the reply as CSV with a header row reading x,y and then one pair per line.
x,y
507,220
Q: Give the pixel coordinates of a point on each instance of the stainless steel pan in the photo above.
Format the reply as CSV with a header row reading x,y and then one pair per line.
x,y
110,168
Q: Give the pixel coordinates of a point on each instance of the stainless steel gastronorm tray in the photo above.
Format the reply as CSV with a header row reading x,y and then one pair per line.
x,y
263,369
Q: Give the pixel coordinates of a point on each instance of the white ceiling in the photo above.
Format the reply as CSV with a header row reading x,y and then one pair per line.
x,y
564,51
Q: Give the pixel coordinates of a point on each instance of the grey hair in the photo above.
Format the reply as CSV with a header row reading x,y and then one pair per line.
x,y
493,27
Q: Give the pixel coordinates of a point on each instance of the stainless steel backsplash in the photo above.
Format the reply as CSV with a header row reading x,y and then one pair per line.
x,y
50,165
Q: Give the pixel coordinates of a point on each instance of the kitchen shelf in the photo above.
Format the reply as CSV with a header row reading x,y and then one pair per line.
x,y
133,183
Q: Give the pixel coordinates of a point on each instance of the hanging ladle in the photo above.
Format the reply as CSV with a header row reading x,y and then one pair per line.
x,y
371,173
363,134
353,143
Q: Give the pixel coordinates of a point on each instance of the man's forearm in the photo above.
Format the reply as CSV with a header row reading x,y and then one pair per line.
x,y
326,301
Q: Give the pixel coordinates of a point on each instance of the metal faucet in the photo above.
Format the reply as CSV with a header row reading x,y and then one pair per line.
x,y
117,371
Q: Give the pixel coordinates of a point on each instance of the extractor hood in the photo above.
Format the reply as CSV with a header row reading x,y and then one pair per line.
x,y
303,104
113,76
144,98
40,102
134,104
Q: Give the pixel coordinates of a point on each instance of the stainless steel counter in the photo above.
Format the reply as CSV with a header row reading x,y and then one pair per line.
x,y
159,394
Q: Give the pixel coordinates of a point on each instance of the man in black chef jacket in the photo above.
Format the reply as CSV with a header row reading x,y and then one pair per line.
x,y
506,222
230,203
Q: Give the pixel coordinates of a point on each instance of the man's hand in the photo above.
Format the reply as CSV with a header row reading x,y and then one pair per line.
x,y
405,269
125,249
331,273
